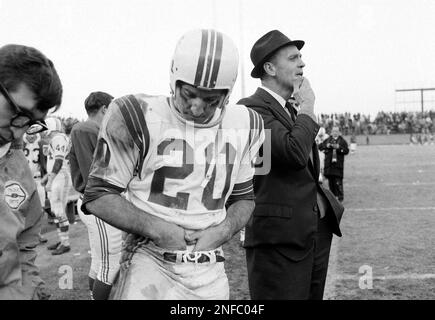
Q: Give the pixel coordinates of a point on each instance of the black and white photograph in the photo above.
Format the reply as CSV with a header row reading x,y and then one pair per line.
x,y
217,154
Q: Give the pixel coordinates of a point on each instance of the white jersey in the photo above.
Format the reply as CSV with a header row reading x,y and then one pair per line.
x,y
171,169
58,148
31,151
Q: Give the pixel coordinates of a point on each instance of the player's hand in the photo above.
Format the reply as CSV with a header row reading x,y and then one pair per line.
x,y
304,95
48,185
210,238
44,180
50,178
171,238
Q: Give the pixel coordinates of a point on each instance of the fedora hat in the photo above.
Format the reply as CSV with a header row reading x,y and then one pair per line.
x,y
266,46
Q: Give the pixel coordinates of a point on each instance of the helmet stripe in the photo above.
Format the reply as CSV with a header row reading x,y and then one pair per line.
x,y
216,61
201,60
210,58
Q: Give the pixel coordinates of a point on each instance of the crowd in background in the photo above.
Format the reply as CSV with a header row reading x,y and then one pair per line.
x,y
384,123
414,123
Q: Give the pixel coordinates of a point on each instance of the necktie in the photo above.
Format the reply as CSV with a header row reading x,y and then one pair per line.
x,y
291,110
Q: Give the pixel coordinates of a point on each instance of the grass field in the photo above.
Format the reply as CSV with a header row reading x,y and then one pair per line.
x,y
388,226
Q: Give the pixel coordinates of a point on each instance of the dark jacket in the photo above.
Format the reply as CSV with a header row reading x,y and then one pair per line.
x,y
286,211
334,168
21,218
83,141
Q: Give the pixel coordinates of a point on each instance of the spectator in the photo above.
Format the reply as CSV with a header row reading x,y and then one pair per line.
x,y
335,148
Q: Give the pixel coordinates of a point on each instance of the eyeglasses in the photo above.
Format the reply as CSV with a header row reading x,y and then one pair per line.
x,y
21,118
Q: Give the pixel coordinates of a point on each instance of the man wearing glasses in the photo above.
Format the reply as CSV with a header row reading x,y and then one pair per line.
x,y
29,88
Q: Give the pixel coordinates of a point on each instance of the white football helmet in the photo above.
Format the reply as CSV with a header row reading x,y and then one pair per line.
x,y
206,59
53,124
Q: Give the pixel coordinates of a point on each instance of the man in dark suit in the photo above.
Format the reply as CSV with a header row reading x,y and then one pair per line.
x,y
289,235
335,148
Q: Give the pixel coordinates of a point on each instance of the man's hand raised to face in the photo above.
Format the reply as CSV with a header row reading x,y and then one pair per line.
x,y
304,96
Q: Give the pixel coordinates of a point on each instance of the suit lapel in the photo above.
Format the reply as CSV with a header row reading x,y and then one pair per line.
x,y
275,107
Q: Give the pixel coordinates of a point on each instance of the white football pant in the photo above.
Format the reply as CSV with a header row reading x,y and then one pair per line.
x,y
105,242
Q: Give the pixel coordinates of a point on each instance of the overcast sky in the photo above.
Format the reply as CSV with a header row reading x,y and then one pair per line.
x,y
356,53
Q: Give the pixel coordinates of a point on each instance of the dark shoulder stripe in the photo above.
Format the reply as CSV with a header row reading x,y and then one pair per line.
x,y
261,122
217,60
130,104
138,116
123,107
210,60
252,120
201,59
258,128
251,124
142,122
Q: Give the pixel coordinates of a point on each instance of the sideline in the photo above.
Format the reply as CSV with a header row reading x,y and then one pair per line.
x,y
331,278
391,209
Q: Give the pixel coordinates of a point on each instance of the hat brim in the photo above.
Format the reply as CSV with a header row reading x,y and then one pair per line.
x,y
257,71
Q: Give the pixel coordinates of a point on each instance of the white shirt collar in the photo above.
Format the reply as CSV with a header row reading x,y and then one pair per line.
x,y
278,98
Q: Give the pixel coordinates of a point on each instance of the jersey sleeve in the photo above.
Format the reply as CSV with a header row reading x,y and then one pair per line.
x,y
120,150
243,188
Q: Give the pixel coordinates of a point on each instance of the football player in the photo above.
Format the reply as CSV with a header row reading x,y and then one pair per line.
x,y
57,182
104,240
164,169
31,152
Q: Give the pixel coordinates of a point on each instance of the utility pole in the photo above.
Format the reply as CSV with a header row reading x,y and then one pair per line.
x,y
422,90
242,44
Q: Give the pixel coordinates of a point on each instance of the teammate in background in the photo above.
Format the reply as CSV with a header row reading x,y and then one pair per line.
x,y
43,152
335,148
165,167
321,136
57,182
104,240
73,195
29,88
31,152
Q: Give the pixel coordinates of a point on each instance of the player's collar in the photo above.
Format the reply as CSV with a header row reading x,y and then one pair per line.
x,y
214,121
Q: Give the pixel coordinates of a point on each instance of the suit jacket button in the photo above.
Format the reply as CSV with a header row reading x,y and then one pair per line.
x,y
315,208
